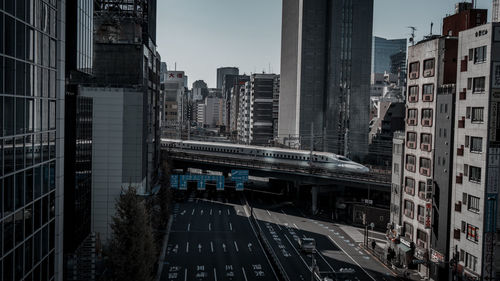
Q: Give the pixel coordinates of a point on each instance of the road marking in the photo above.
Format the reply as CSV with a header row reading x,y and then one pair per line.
x,y
338,246
210,211
185,274
189,226
224,247
268,213
236,246
202,212
250,247
215,274
220,212
212,246
300,256
192,213
199,248
209,226
228,212
296,227
230,226
187,247
244,274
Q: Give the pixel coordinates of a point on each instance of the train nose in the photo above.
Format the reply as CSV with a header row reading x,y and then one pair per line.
x,y
365,169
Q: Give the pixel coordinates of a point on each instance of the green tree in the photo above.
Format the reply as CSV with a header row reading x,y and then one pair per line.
x,y
132,250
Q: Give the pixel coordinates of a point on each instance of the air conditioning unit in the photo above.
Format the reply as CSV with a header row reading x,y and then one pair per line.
x,y
426,122
427,97
412,144
414,75
409,190
426,147
413,99
412,122
428,72
421,219
421,195
410,167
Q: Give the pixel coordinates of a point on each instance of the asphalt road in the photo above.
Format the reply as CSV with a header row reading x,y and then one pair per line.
x,y
336,252
214,240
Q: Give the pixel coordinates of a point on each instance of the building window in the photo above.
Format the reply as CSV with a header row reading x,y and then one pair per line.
x,y
408,231
411,139
428,92
414,70
421,239
476,144
429,68
477,114
425,166
397,148
408,209
412,117
474,174
470,262
478,84
472,233
480,54
396,168
420,214
410,163
421,190
425,142
412,93
473,203
410,186
427,117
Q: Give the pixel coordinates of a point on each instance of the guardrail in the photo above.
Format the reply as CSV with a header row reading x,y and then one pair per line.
x,y
381,177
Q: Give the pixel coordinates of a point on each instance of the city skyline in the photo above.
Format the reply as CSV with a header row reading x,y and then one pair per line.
x,y
254,45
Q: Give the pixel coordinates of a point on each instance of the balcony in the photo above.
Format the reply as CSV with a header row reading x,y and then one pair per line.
x,y
425,171
408,213
458,207
410,167
421,219
410,190
412,144
427,122
460,178
425,147
460,151
462,95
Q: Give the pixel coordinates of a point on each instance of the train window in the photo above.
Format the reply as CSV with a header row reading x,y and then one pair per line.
x,y
341,158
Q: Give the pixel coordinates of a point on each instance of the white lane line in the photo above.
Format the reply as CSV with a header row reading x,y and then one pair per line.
x,y
228,212
210,211
244,274
192,213
185,274
187,247
209,227
230,226
268,212
298,254
236,246
215,274
189,226
338,246
296,227
219,212
202,212
212,246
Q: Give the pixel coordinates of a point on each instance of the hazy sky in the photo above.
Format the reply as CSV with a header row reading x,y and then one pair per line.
x,y
202,35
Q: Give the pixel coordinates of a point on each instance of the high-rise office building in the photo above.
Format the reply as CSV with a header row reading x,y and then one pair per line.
x,y
222,72
31,139
79,243
495,17
325,74
382,51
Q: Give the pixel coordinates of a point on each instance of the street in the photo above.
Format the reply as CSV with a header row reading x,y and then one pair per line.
x,y
213,239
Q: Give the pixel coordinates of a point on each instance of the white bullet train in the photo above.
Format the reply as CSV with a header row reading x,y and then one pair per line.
x,y
323,160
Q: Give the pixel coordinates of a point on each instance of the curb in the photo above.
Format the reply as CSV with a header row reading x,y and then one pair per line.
x,y
161,261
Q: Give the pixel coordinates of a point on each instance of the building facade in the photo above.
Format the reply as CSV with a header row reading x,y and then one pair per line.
x,y
32,139
382,51
324,79
476,167
222,72
276,106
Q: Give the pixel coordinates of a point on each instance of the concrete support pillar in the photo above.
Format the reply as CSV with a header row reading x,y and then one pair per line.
x,y
225,174
314,196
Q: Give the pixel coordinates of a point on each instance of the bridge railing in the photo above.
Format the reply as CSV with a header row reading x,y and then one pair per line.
x,y
375,176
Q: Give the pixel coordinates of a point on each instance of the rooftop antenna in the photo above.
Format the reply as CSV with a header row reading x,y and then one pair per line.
x,y
432,24
412,38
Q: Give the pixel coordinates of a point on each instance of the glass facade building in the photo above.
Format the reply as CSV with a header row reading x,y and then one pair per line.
x,y
28,83
382,51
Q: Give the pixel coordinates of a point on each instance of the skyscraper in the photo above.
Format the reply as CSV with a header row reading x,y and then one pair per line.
x,y
495,17
382,51
31,139
222,72
325,74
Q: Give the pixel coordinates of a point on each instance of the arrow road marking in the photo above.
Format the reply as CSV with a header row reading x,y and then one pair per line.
x,y
224,247
199,248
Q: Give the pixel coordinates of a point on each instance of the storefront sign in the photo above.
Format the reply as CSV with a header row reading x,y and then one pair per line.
x,y
405,242
495,78
436,256
428,211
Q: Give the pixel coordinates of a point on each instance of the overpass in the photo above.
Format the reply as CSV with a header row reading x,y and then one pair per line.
x,y
295,174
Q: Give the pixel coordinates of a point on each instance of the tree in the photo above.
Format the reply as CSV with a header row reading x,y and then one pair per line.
x,y
132,251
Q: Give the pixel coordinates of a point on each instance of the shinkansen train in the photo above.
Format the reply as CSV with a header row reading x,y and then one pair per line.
x,y
324,160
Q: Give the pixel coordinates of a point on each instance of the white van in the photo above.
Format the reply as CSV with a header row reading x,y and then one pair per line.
x,y
307,245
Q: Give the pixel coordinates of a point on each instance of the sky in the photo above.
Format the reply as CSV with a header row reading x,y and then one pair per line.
x,y
202,35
